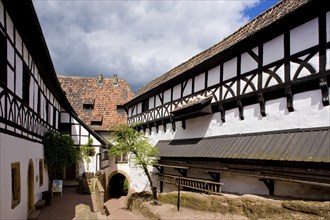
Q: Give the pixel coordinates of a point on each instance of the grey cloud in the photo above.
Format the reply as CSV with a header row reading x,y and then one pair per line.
x,y
138,40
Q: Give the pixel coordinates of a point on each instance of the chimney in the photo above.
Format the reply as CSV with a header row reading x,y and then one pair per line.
x,y
100,79
115,80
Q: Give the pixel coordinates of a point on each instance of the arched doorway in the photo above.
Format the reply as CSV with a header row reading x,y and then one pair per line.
x,y
30,186
118,185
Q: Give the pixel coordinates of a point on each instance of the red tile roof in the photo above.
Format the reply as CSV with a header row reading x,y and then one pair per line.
x,y
103,99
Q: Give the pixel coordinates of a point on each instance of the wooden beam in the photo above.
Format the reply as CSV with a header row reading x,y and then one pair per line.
x,y
183,172
222,112
240,109
215,176
324,90
270,185
173,166
183,124
262,104
289,98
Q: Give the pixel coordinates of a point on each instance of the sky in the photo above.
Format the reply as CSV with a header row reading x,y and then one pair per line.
x,y
138,40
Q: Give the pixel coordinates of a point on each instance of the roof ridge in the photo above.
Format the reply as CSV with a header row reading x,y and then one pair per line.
x,y
216,48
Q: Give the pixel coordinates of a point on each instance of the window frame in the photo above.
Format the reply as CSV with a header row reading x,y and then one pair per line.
x,y
123,158
15,184
41,172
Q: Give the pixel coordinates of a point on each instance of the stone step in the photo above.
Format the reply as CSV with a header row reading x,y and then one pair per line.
x,y
34,215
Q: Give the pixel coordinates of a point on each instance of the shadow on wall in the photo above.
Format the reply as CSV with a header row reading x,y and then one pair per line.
x,y
195,127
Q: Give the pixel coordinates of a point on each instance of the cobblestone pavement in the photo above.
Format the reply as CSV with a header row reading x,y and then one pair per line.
x,y
63,207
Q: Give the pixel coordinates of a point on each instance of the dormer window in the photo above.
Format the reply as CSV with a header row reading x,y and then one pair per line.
x,y
88,104
121,110
97,120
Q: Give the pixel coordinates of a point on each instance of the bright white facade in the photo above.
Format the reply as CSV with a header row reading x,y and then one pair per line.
x,y
269,79
31,103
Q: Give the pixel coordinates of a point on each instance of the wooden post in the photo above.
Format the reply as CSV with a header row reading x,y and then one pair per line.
x,y
178,205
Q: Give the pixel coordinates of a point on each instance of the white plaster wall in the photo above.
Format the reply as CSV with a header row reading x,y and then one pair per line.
x,y
230,69
10,79
167,96
309,31
158,102
177,92
248,63
242,185
328,26
13,149
151,102
130,111
10,53
1,13
10,27
308,112
283,188
25,54
250,185
83,131
188,88
273,50
65,117
139,108
199,82
213,76
138,180
75,129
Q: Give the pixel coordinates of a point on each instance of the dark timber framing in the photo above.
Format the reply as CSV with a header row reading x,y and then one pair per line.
x,y
258,93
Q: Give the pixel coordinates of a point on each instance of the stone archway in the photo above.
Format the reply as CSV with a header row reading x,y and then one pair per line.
x,y
117,185
30,186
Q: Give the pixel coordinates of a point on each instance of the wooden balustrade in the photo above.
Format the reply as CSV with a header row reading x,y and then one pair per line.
x,y
196,184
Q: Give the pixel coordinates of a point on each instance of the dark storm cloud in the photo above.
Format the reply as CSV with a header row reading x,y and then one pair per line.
x,y
138,40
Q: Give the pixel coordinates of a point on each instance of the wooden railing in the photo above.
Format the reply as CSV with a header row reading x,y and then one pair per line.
x,y
196,184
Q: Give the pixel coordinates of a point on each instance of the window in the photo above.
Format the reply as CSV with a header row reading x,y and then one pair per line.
x,y
88,104
65,128
145,105
121,110
54,116
26,85
88,107
97,120
41,172
3,59
122,158
47,111
15,184
39,102
96,123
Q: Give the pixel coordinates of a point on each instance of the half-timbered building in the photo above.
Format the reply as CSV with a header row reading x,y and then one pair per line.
x,y
31,103
98,101
250,114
